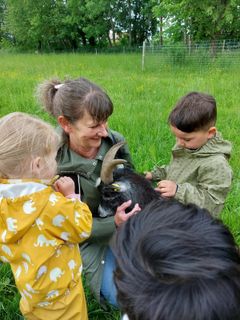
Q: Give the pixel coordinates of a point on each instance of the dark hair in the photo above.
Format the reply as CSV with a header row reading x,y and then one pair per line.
x,y
175,261
72,98
195,111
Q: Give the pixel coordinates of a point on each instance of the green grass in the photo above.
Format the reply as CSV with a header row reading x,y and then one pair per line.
x,y
142,103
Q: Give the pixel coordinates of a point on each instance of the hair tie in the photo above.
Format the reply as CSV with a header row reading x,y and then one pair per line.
x,y
58,86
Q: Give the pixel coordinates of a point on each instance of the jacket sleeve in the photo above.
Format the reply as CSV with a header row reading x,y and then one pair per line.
x,y
213,184
71,220
159,173
103,229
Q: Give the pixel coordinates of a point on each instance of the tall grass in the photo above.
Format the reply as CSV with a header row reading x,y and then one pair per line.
x,y
142,103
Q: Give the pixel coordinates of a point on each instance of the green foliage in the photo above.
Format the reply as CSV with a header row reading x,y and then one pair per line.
x,y
206,19
2,15
48,25
60,25
35,25
9,297
137,18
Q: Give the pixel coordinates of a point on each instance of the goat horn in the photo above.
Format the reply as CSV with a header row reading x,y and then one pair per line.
x,y
109,163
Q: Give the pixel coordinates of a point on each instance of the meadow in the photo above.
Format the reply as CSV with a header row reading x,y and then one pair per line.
x,y
142,101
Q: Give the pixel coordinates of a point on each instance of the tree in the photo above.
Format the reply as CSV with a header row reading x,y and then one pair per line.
x,y
35,24
136,18
2,17
206,19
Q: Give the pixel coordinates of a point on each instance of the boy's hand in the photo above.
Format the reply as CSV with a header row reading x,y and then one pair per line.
x,y
121,216
167,188
148,175
65,185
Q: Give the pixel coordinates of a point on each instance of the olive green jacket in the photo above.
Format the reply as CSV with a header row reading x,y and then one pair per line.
x,y
203,175
85,173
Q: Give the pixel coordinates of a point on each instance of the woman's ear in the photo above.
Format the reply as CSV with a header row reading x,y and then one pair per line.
x,y
64,123
211,132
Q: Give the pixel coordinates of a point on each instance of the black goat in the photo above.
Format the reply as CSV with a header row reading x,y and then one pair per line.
x,y
121,185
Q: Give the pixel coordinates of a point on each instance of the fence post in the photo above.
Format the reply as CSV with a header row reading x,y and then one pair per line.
x,y
143,55
223,45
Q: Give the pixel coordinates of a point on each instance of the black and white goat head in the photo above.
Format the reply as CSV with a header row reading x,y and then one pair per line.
x,y
122,184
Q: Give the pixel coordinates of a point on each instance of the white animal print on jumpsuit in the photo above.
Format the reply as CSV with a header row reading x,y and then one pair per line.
x,y
43,241
28,207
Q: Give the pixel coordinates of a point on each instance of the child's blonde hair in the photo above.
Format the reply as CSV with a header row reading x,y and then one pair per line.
x,y
23,137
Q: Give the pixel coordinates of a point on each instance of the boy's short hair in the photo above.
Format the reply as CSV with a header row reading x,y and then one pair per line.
x,y
175,261
195,111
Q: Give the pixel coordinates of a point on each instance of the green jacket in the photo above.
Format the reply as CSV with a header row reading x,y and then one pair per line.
x,y
85,173
203,176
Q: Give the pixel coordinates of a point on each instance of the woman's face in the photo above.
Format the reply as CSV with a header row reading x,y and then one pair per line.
x,y
86,133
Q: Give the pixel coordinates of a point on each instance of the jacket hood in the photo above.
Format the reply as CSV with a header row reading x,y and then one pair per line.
x,y
18,210
215,145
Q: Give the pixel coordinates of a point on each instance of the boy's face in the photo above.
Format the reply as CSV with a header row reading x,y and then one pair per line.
x,y
193,140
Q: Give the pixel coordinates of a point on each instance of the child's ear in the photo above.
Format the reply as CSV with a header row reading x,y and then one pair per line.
x,y
211,132
64,123
36,167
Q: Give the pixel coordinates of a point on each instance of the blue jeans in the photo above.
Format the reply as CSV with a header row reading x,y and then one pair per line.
x,y
108,289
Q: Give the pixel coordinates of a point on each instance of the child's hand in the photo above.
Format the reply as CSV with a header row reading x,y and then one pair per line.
x,y
167,188
65,185
148,175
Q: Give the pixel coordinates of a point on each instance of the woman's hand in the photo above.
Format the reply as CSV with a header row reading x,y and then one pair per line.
x,y
65,185
121,216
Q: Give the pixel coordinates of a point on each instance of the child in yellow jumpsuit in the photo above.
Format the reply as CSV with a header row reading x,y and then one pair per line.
x,y
40,224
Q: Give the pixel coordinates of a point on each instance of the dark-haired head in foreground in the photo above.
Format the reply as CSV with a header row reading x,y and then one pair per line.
x,y
175,262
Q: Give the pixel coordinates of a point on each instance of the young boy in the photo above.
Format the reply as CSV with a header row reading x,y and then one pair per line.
x,y
175,261
199,172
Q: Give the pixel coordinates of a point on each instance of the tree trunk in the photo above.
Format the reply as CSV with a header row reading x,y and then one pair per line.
x,y
213,48
39,47
109,40
92,41
130,23
161,31
83,37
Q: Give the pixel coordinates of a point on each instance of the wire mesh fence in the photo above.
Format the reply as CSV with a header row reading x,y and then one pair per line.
x,y
224,54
